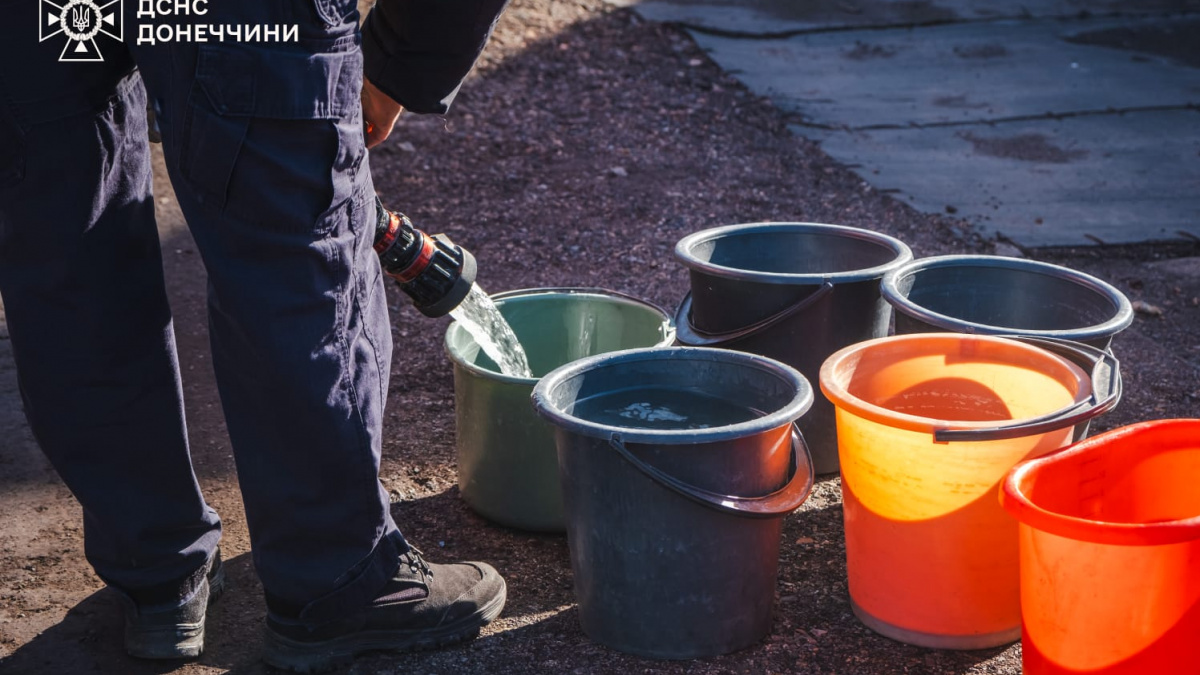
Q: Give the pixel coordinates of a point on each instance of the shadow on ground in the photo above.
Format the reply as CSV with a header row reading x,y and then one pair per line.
x,y
587,145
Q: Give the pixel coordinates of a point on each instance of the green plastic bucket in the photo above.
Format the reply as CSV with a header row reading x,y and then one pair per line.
x,y
507,462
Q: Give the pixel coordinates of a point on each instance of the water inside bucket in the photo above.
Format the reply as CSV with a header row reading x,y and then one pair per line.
x,y
480,317
662,408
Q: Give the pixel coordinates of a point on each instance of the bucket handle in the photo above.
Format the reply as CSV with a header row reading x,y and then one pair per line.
x,y
778,503
701,338
1105,368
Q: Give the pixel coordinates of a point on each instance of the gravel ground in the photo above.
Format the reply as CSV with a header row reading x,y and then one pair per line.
x,y
584,146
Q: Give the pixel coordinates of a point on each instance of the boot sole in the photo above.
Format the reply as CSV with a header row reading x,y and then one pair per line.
x,y
180,641
315,657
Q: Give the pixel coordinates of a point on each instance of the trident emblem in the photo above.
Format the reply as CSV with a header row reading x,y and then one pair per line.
x,y
82,17
81,21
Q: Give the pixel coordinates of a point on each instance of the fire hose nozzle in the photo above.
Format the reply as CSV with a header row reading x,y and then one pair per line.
x,y
435,272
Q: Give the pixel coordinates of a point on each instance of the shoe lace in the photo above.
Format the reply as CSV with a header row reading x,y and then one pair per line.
x,y
416,563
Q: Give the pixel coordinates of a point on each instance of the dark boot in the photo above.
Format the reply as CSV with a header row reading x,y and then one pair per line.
x,y
424,606
159,628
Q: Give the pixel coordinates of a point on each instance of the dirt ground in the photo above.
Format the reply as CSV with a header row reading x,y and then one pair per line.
x,y
586,144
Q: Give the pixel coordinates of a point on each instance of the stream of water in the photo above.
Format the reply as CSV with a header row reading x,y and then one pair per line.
x,y
480,317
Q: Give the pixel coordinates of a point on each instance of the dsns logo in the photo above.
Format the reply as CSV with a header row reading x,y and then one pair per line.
x,y
81,21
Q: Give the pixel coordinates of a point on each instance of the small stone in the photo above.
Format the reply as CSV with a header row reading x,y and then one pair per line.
x,y
695,62
818,632
805,540
1008,250
618,171
1146,308
406,146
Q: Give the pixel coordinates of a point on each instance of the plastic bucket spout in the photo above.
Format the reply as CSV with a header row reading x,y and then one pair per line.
x,y
991,295
507,467
928,426
674,529
794,292
1110,553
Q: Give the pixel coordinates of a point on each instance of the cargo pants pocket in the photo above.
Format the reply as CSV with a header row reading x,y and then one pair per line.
x,y
274,137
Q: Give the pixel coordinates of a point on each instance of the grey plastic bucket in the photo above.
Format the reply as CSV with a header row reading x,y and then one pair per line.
x,y
674,533
795,292
992,295
507,466
1051,306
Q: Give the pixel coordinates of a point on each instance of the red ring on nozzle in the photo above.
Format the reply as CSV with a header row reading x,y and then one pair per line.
x,y
428,248
388,237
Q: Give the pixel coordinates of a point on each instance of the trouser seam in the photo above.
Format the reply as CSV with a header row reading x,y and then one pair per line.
x,y
345,305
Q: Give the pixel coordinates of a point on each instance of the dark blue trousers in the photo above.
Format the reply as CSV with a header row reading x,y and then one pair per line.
x,y
264,146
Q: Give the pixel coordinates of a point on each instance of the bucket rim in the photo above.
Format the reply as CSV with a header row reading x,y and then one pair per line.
x,y
1015,498
785,415
842,399
683,253
890,289
522,293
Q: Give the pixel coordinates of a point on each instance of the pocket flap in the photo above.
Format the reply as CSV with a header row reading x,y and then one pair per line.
x,y
279,84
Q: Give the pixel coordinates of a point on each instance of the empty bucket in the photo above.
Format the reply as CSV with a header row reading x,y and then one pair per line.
x,y
677,467
795,292
507,467
928,425
1110,553
991,295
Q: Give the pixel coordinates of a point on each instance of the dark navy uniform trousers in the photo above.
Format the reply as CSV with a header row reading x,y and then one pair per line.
x,y
264,146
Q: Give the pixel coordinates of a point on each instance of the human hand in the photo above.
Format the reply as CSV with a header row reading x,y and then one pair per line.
x,y
380,113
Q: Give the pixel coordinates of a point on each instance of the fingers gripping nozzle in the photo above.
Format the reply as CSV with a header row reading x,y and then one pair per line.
x,y
431,269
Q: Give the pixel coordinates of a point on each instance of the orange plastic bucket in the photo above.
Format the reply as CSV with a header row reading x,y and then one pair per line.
x,y
1110,553
928,426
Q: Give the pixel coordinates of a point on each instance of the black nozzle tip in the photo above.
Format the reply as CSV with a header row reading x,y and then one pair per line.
x,y
457,292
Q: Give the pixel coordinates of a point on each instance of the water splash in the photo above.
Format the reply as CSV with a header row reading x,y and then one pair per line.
x,y
649,407
480,317
648,413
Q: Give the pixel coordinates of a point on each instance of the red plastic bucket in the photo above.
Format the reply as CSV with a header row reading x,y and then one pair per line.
x,y
1109,542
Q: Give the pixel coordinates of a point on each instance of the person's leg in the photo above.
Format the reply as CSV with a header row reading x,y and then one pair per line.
x,y
81,279
265,148
266,151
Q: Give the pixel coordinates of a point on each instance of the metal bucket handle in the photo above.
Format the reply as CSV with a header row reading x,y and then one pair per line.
x,y
700,338
778,503
1105,369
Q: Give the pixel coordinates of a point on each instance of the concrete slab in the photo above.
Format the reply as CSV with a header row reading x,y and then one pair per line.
x,y
956,73
1070,182
1049,122
786,17
1174,39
